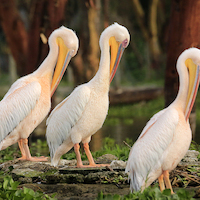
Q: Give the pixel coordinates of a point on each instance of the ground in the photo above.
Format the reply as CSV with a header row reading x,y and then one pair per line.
x,y
70,182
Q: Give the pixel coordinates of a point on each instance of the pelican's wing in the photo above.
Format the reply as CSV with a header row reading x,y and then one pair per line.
x,y
16,105
147,152
152,121
64,116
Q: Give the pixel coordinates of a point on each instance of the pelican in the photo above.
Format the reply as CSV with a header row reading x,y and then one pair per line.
x,y
83,112
28,101
166,137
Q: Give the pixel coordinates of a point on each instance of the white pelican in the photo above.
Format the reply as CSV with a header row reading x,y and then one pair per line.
x,y
84,111
28,101
166,138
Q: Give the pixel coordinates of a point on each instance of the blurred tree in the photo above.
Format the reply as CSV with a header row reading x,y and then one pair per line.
x,y
86,62
184,29
106,12
150,32
24,39
184,32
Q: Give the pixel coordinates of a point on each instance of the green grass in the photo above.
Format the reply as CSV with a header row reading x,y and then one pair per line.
x,y
150,194
9,154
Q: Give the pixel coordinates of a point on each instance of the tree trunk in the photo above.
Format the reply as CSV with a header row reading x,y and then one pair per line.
x,y
184,32
46,17
86,63
153,39
25,45
15,32
132,95
149,33
184,29
106,12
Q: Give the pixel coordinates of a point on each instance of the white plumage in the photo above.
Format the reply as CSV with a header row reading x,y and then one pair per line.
x,y
79,116
65,116
167,136
28,101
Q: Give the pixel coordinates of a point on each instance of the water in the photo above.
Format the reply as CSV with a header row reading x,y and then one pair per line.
x,y
118,132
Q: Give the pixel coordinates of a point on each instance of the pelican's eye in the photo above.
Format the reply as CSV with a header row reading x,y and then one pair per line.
x,y
125,43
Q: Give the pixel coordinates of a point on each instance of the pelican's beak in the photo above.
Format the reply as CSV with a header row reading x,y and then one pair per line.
x,y
64,57
116,49
194,77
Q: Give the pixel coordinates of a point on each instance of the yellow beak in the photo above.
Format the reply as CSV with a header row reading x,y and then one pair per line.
x,y
62,63
116,50
193,85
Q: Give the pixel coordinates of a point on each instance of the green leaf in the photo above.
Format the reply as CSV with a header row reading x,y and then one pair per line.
x,y
167,192
14,185
28,191
5,183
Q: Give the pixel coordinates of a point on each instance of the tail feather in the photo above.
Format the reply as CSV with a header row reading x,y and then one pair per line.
x,y
136,181
62,149
9,140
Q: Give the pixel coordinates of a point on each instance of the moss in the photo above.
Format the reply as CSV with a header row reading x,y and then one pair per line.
x,y
26,173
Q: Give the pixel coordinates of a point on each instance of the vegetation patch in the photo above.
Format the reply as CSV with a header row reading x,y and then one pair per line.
x,y
10,189
153,193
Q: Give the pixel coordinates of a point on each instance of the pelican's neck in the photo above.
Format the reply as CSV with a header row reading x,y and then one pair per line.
x,y
48,65
181,98
102,77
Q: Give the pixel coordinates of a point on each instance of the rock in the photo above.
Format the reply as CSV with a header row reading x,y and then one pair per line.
x,y
65,179
118,164
106,159
23,180
66,163
26,172
66,172
190,158
93,177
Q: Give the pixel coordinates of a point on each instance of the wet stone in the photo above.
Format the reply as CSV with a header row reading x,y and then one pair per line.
x,y
118,164
27,172
23,180
190,158
106,159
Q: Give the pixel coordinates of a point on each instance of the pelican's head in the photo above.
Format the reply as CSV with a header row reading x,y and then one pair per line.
x,y
119,38
67,43
191,59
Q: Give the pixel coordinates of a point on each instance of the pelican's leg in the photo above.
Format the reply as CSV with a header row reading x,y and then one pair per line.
x,y
161,182
22,150
89,155
90,158
167,181
26,153
78,155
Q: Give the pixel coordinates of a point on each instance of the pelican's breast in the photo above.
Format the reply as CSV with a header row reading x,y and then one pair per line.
x,y
94,114
179,145
39,112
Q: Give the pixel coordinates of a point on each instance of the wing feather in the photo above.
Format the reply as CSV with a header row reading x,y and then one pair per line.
x,y
16,106
152,121
146,154
64,116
